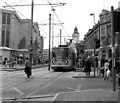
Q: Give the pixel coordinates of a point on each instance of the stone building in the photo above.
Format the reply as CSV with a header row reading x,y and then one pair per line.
x,y
90,39
101,31
15,33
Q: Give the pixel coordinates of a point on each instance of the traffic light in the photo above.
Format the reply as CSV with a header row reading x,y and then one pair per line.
x,y
117,21
97,43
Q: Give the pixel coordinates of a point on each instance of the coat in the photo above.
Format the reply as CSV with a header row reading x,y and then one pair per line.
x,y
87,66
27,67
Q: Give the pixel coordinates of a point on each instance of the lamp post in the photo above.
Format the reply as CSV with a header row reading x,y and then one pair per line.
x,y
93,14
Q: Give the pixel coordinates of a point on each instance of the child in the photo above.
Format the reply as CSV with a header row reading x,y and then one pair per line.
x,y
108,73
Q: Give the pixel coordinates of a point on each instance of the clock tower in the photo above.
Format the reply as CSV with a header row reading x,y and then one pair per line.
x,y
75,36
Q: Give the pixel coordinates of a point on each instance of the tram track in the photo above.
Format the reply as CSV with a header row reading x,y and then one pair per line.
x,y
27,94
19,72
18,84
32,71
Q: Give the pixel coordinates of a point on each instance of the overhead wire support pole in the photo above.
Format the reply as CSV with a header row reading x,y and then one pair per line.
x,y
113,48
31,42
94,46
53,4
49,65
53,27
60,36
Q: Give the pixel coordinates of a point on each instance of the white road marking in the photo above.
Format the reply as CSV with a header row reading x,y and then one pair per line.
x,y
91,90
78,88
70,88
82,78
55,96
18,90
76,74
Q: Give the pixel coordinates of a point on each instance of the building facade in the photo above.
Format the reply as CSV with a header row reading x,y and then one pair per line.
x,y
102,32
15,33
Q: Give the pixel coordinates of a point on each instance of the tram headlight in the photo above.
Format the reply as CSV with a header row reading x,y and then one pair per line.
x,y
66,62
53,61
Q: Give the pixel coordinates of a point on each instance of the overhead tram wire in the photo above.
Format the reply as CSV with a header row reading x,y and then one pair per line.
x,y
18,2
60,23
11,6
14,9
47,34
59,19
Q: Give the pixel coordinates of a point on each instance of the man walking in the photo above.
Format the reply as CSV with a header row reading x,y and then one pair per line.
x,y
87,69
28,67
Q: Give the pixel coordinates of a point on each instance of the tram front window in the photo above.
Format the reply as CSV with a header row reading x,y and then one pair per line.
x,y
60,53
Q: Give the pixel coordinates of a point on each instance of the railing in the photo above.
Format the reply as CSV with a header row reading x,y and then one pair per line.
x,y
10,64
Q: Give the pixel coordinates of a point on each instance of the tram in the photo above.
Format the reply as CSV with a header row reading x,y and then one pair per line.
x,y
63,58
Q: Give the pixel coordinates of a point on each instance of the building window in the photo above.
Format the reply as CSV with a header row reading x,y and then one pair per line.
x,y
8,18
5,29
7,38
3,38
3,18
109,30
103,30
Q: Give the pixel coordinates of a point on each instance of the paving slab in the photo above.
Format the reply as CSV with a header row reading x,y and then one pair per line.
x,y
88,95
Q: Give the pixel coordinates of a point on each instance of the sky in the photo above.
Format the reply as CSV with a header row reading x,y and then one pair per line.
x,y
73,13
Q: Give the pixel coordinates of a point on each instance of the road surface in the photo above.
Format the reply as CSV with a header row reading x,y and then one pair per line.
x,y
44,84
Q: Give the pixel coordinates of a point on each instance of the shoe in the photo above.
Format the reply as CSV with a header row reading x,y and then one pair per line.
x,y
28,75
104,78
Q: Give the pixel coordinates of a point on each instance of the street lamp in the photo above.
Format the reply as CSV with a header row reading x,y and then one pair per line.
x,y
93,14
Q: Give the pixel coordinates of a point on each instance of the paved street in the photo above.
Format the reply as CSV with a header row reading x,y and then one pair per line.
x,y
45,85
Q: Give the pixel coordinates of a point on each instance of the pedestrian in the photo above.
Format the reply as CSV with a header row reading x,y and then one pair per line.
x,y
106,70
102,66
99,68
5,62
27,67
79,63
110,67
87,68
117,69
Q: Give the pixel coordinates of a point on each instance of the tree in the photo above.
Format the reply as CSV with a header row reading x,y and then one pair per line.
x,y
36,45
22,43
